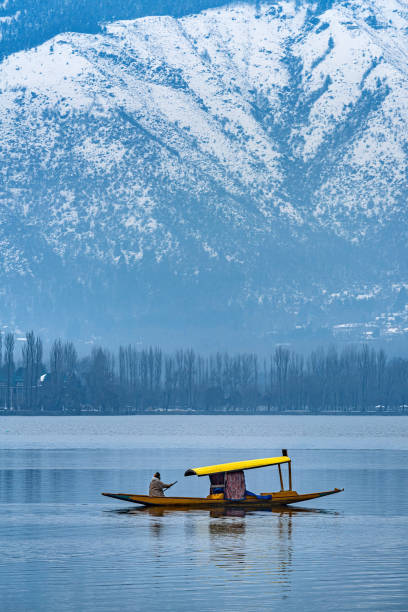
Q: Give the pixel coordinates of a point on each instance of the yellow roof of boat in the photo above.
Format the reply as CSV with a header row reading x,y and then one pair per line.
x,y
236,465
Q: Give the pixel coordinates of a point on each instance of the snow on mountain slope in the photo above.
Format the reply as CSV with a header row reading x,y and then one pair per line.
x,y
257,149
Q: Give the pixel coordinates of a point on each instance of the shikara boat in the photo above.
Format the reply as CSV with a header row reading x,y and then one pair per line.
x,y
227,488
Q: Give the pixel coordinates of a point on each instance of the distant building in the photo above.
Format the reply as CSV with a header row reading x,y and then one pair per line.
x,y
356,331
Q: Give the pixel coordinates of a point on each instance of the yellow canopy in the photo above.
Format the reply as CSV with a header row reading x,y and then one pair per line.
x,y
236,465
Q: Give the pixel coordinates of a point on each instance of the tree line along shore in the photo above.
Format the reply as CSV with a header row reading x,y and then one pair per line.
x,y
355,379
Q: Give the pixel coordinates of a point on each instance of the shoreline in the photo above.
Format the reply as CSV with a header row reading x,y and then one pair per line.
x,y
368,413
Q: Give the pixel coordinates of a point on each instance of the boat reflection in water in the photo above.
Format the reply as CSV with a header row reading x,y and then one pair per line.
x,y
219,512
242,545
249,544
218,541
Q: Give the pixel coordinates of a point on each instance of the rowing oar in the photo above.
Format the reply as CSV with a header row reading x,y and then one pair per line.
x,y
172,484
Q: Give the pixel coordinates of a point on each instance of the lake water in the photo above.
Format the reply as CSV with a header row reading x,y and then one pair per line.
x,y
65,547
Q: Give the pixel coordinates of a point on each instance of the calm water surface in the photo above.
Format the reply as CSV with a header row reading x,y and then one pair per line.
x,y
65,547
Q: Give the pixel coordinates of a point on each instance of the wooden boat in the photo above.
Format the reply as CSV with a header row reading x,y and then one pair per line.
x,y
228,488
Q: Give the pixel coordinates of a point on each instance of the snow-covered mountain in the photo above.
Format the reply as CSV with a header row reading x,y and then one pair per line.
x,y
237,173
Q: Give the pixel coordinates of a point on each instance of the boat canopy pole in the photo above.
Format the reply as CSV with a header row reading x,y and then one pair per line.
x,y
285,454
280,478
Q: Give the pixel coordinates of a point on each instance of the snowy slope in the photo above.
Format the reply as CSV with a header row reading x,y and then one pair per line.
x,y
249,159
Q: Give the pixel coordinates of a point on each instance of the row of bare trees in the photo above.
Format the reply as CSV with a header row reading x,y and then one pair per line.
x,y
19,382
355,378
187,379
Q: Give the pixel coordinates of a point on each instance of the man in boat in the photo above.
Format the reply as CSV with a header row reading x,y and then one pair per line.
x,y
156,488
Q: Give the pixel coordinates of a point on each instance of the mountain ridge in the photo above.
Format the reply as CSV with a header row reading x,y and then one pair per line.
x,y
256,151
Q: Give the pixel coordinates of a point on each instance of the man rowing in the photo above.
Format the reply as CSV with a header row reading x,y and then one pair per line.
x,y
156,488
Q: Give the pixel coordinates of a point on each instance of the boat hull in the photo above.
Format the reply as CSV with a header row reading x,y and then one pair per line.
x,y
281,498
